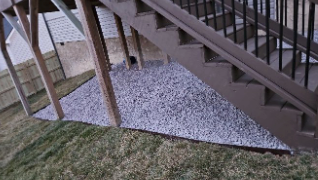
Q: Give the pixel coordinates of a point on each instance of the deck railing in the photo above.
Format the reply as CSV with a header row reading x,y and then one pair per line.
x,y
294,30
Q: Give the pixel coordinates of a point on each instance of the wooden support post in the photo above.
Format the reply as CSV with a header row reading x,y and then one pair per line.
x,y
12,72
137,46
166,57
101,34
31,32
97,52
122,39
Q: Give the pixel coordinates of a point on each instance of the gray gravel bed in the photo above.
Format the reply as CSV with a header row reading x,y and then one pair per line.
x,y
166,99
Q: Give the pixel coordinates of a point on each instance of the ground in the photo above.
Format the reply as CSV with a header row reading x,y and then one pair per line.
x,y
36,149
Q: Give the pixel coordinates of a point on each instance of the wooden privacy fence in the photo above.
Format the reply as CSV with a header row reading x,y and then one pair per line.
x,y
29,77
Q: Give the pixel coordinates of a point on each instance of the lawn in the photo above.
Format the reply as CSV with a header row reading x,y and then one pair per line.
x,y
36,149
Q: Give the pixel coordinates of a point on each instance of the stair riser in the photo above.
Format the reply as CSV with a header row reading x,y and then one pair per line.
x,y
162,21
262,52
240,34
140,6
219,21
288,68
184,37
208,54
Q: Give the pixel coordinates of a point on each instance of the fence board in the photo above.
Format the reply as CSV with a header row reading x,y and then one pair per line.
x,y
29,77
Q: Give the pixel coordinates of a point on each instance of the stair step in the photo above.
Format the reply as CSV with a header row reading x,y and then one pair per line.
x,y
276,102
261,45
219,20
292,108
312,78
300,73
244,80
239,32
218,61
308,127
287,60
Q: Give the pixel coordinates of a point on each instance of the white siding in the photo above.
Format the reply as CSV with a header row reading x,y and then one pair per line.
x,y
63,31
19,50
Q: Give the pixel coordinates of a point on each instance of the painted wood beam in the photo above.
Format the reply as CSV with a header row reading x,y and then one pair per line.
x,y
95,46
137,46
34,22
122,39
12,72
37,55
15,25
69,15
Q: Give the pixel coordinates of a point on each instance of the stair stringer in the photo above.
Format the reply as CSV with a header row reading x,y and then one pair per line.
x,y
282,123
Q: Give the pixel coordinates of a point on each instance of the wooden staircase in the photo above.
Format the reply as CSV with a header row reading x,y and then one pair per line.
x,y
231,74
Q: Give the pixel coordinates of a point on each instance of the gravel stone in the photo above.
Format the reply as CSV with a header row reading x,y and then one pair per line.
x,y
166,99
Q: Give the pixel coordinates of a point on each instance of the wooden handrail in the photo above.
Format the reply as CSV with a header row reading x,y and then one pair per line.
x,y
288,34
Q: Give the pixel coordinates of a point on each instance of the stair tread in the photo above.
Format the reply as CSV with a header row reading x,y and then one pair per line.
x,y
251,41
211,16
287,58
229,29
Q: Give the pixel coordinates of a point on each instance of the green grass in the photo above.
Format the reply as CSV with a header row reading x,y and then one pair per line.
x,y
34,149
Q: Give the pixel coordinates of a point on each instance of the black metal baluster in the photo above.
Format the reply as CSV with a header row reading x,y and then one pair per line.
x,y
244,23
189,7
295,37
262,6
281,35
267,31
233,20
223,18
197,9
181,4
214,16
206,13
286,13
303,18
311,23
277,12
256,26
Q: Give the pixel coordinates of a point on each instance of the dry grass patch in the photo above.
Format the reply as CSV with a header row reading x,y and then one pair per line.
x,y
35,149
